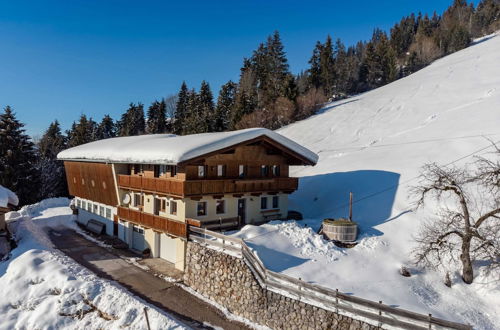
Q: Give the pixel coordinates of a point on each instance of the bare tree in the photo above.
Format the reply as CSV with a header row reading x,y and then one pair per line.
x,y
467,228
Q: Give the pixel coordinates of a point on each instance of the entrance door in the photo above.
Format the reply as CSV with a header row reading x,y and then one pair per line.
x,y
138,238
122,230
242,207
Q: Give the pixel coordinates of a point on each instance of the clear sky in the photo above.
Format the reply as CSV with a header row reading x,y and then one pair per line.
x,y
59,59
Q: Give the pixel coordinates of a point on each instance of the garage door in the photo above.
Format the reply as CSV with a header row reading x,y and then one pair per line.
x,y
168,248
122,230
138,241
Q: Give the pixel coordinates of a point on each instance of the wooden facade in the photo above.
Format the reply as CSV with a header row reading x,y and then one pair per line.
x,y
92,181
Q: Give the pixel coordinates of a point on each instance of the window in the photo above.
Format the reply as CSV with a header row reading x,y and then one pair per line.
x,y
264,170
173,207
104,185
221,170
96,208
138,230
201,171
276,170
137,200
276,202
101,211
74,180
202,209
92,183
263,203
242,171
83,182
173,171
163,169
108,213
79,203
89,207
163,205
156,171
84,205
220,206
137,168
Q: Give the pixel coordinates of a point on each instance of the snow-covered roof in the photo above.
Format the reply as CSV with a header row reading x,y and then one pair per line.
x,y
7,197
173,149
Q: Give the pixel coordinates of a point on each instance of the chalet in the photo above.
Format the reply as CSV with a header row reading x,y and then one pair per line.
x,y
8,200
148,189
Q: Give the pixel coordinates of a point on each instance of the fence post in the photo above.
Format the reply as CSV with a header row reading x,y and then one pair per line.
x,y
430,321
337,300
380,314
147,318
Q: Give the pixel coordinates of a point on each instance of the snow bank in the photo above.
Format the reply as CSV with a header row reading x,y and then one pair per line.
x,y
7,197
374,145
172,149
43,289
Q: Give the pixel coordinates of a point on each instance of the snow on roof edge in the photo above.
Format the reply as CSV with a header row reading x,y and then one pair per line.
x,y
173,149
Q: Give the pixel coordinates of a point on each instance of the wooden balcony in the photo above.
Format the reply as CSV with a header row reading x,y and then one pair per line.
x,y
166,225
207,187
166,186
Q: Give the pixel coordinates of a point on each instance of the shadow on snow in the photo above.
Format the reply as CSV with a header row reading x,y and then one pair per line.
x,y
327,196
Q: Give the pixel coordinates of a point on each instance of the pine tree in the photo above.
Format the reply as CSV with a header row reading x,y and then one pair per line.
x,y
52,142
156,122
205,109
132,121
84,131
314,72
246,94
17,159
327,63
51,171
181,110
106,129
191,117
225,104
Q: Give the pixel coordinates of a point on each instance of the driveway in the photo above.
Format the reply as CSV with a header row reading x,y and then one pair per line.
x,y
168,296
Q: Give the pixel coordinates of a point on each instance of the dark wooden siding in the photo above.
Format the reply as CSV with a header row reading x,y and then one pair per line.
x,y
93,181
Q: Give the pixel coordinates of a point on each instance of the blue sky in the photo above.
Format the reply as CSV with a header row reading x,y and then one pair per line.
x,y
59,59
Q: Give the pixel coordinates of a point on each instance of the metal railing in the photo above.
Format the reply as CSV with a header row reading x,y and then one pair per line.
x,y
326,298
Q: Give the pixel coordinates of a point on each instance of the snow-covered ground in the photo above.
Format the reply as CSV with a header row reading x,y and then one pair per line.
x,y
374,145
40,288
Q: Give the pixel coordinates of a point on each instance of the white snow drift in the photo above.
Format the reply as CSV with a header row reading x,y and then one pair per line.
x,y
40,288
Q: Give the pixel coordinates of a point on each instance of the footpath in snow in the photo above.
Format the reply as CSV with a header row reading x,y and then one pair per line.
x,y
43,289
374,145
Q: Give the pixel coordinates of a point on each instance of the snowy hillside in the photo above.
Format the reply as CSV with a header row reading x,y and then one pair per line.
x,y
374,145
43,289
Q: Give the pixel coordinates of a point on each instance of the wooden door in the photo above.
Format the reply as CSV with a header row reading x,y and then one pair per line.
x,y
242,208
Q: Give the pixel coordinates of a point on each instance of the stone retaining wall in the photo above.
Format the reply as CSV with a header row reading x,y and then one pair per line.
x,y
228,281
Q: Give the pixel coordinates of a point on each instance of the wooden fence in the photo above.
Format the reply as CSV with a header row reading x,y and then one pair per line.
x,y
319,296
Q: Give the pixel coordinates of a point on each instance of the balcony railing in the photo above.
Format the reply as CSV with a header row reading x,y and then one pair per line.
x,y
169,226
207,187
